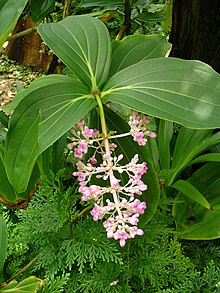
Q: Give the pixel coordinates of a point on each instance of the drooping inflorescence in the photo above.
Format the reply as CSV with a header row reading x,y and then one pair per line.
x,y
115,202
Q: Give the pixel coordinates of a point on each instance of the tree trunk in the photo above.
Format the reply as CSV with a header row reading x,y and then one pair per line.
x,y
28,50
195,31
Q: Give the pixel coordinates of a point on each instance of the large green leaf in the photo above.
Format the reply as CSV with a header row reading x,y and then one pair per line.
x,y
83,44
59,102
135,48
10,11
186,92
22,149
3,243
29,285
129,148
41,8
194,221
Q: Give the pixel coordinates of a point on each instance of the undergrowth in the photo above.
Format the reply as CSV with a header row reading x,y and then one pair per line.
x,y
72,253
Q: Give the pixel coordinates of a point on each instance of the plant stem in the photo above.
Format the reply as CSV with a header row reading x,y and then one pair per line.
x,y
23,33
82,213
25,268
107,149
67,8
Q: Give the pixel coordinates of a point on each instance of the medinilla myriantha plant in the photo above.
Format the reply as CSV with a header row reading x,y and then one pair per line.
x,y
102,76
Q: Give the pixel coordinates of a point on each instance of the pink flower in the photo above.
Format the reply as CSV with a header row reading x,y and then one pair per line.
x,y
81,175
137,206
83,146
78,153
98,212
92,160
89,132
80,123
139,127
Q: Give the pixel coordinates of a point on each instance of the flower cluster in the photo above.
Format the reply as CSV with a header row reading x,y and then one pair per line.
x,y
115,202
139,129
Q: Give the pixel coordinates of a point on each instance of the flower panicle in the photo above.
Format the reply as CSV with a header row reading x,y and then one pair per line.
x,y
115,203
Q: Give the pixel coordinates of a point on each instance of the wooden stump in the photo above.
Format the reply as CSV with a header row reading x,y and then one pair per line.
x,y
28,50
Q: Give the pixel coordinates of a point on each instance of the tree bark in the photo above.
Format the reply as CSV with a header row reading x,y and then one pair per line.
x,y
28,50
195,31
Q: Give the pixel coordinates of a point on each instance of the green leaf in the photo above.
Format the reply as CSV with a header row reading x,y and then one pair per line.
x,y
3,243
194,221
44,161
3,133
153,16
58,151
129,148
41,8
136,48
164,136
207,158
6,189
189,144
29,285
10,11
182,91
21,149
190,191
89,3
59,102
83,44
8,195
3,119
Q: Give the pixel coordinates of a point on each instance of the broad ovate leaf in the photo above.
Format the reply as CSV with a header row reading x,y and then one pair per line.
x,y
46,110
83,44
136,48
182,91
10,11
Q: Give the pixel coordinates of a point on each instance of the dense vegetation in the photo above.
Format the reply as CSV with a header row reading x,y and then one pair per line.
x,y
123,141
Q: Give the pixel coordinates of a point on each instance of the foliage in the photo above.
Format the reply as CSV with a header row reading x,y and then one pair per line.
x,y
175,156
147,17
3,243
208,282
55,234
138,87
76,256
